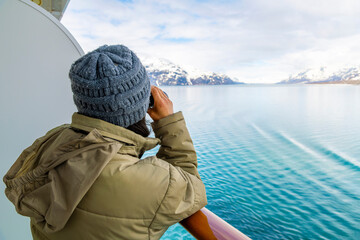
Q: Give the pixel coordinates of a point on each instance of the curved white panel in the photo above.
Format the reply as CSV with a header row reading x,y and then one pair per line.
x,y
36,54
35,95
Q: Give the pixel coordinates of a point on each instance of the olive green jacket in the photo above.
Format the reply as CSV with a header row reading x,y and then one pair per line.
x,y
86,181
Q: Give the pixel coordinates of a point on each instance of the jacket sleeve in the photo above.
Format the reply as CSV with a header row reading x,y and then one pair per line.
x,y
176,145
186,192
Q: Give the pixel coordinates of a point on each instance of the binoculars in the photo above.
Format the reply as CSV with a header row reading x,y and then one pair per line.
x,y
152,100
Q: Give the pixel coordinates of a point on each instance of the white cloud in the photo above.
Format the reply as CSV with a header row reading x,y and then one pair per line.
x,y
253,40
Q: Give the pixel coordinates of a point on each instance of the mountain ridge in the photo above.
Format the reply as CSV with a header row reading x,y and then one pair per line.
x,y
349,75
163,72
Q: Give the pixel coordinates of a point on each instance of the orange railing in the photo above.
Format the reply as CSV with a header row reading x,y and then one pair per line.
x,y
205,225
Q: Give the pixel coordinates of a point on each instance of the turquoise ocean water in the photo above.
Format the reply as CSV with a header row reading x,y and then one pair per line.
x,y
278,161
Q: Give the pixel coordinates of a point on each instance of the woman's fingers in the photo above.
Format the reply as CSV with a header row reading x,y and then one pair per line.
x,y
162,94
155,92
162,104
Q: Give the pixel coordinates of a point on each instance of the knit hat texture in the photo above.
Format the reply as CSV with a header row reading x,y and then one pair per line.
x,y
111,84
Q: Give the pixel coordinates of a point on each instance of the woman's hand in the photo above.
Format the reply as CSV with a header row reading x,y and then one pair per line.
x,y
163,106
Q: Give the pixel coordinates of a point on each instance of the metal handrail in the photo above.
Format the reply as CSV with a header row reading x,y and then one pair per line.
x,y
206,225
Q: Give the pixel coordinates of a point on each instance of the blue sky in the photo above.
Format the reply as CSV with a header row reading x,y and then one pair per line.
x,y
252,40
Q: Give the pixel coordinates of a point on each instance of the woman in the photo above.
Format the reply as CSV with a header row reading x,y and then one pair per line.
x,y
85,180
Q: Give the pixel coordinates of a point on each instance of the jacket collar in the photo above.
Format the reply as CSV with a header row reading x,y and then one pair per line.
x,y
135,143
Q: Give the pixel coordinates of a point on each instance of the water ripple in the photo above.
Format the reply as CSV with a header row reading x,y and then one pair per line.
x,y
276,167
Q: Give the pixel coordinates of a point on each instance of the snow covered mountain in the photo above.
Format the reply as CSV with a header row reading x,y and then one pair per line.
x,y
324,75
163,72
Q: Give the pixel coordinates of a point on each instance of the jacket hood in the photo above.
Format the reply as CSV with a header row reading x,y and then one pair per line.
x,y
50,177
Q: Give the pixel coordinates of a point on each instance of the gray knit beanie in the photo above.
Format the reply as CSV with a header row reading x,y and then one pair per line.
x,y
111,84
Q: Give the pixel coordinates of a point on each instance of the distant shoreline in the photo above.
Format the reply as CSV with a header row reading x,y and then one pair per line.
x,y
354,82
